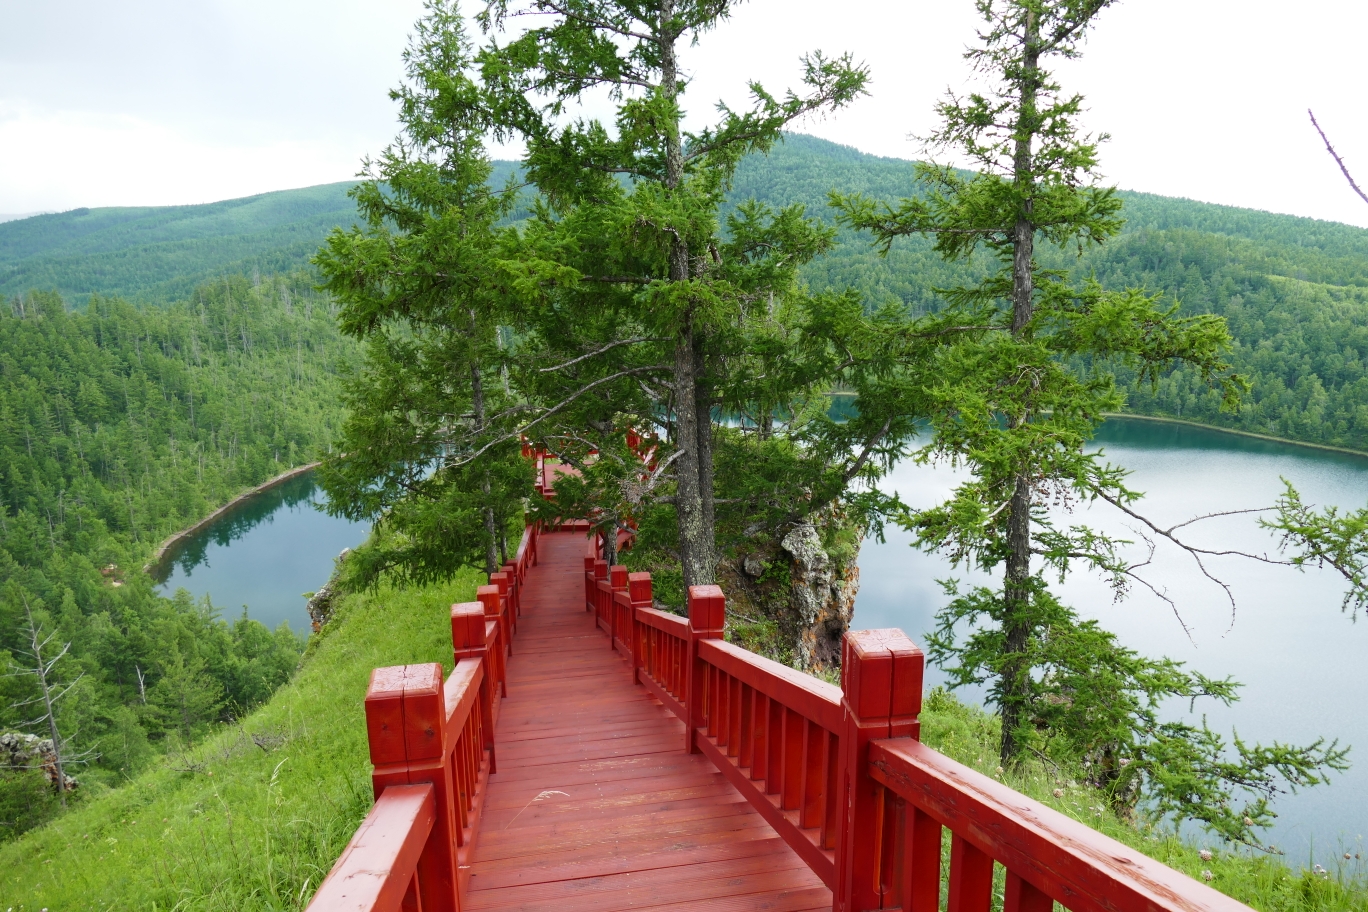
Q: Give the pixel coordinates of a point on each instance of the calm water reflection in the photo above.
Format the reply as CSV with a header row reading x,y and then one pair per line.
x,y
1301,660
265,553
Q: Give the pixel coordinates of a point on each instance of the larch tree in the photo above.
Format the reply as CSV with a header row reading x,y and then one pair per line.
x,y
421,285
644,308
1015,373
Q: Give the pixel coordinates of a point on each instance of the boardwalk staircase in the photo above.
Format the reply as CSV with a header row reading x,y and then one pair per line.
x,y
624,757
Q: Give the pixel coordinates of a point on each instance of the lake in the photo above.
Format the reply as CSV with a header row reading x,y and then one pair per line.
x,y
1303,663
264,554
1301,660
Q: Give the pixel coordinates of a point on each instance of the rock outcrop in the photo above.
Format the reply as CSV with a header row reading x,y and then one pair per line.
x,y
320,603
19,751
823,597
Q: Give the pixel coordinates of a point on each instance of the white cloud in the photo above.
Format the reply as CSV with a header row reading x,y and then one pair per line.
x,y
157,101
63,160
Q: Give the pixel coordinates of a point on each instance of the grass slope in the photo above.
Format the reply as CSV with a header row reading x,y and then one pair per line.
x,y
252,818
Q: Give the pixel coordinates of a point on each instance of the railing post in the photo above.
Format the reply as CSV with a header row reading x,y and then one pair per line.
x,y
707,619
489,600
468,641
590,581
494,607
504,581
881,676
515,581
617,582
406,726
639,591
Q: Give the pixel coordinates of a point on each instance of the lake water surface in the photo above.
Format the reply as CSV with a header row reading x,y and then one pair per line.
x,y
1303,663
265,553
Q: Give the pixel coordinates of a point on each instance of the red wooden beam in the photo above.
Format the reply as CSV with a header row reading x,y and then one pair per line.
x,y
881,678
1067,861
707,618
375,870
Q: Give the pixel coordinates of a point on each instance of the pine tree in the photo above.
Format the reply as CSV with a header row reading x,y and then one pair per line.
x,y
640,309
420,284
1015,373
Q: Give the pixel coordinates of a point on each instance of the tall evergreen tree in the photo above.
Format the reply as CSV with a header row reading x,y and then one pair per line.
x,y
420,283
1016,373
641,309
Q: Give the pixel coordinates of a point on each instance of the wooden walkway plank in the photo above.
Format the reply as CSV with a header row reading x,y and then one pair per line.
x,y
595,805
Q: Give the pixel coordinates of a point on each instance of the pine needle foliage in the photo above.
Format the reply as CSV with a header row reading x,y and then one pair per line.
x,y
1017,369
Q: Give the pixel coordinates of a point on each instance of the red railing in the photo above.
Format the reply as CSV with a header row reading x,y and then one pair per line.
x,y
842,777
432,749
839,773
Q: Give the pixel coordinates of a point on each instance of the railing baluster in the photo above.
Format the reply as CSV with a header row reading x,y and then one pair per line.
x,y
746,728
791,794
1021,896
971,877
814,775
774,740
830,791
760,742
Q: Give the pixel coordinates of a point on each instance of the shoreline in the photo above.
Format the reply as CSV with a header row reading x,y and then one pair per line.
x,y
160,555
1223,430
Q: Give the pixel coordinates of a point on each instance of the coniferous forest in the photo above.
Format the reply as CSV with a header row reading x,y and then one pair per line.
x,y
119,425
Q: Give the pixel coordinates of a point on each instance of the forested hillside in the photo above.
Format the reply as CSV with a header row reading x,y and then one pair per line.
x,y
1294,290
162,252
118,425
1291,288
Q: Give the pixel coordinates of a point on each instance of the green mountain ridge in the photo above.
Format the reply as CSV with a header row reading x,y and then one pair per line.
x,y
160,252
1294,289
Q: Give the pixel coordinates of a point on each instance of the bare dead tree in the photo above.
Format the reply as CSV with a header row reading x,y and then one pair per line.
x,y
40,665
1344,169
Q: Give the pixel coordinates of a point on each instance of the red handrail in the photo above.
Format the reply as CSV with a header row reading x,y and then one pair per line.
x,y
1048,857
377,871
432,747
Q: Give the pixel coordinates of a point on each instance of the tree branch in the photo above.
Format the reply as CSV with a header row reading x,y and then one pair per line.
x,y
1335,155
611,345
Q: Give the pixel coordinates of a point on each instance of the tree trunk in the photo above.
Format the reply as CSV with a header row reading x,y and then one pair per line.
x,y
1016,584
491,526
694,497
40,666
609,536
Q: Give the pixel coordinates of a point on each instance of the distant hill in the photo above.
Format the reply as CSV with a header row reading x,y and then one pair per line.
x,y
1295,290
160,253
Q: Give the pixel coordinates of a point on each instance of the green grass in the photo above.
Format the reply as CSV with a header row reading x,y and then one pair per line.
x,y
253,817
1269,884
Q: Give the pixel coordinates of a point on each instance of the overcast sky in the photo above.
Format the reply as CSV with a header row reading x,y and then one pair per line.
x,y
141,102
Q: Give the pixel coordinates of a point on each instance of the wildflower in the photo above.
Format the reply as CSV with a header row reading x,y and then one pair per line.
x,y
1205,854
1207,875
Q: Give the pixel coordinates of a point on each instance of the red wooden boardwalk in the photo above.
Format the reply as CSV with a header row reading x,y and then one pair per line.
x,y
595,805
